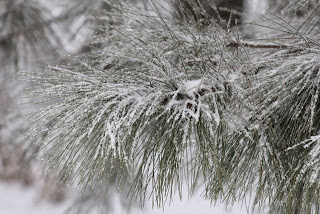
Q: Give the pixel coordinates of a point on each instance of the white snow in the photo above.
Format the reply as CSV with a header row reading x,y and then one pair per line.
x,y
15,199
192,86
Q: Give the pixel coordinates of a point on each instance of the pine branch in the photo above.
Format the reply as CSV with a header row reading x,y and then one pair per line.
x,y
145,112
166,103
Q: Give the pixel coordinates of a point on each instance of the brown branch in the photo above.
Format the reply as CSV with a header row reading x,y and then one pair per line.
x,y
248,45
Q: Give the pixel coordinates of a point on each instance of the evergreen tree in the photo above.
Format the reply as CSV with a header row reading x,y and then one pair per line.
x,y
195,98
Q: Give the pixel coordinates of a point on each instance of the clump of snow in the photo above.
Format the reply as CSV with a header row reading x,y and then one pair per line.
x,y
192,86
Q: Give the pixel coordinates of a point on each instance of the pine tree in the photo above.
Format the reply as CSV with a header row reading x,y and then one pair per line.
x,y
193,99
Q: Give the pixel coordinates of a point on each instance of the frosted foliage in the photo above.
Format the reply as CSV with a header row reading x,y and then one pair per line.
x,y
30,34
301,5
145,105
285,102
304,12
31,31
166,101
287,85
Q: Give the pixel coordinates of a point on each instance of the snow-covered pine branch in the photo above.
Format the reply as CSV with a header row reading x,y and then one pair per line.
x,y
157,104
166,101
